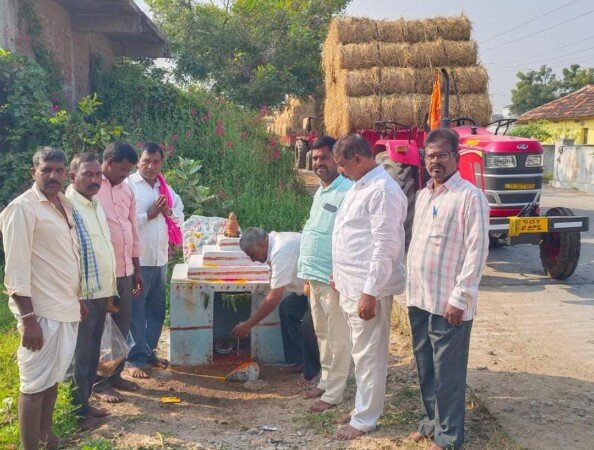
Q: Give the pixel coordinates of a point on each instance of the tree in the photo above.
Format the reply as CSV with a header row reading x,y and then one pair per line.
x,y
535,88
538,87
536,130
254,52
575,78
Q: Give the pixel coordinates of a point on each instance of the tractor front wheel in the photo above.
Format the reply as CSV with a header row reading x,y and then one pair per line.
x,y
560,252
406,176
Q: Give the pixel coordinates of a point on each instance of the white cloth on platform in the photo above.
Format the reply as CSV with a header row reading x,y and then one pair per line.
x,y
44,368
370,340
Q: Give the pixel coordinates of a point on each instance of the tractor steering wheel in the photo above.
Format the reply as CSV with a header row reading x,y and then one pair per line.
x,y
459,121
501,123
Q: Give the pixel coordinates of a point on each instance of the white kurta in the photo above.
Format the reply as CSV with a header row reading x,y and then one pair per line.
x,y
367,255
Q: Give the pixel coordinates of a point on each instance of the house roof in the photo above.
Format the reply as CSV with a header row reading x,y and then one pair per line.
x,y
577,105
122,21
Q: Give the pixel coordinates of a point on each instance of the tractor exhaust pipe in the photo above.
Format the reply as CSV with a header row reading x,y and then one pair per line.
x,y
446,121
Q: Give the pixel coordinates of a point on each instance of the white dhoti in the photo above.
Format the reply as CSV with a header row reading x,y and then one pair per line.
x,y
332,332
370,340
44,368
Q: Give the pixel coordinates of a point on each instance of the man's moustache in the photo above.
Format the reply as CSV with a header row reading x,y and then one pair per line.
x,y
94,186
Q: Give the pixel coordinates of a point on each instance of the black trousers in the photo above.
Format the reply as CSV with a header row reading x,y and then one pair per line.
x,y
86,355
299,338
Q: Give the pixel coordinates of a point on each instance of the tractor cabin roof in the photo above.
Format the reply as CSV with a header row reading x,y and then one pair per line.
x,y
574,106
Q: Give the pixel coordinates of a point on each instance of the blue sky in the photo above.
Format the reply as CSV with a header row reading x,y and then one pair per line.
x,y
510,34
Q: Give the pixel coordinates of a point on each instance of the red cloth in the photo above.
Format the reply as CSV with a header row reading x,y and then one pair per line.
x,y
175,234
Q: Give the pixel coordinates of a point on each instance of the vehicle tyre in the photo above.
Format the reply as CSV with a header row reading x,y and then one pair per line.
x,y
301,149
406,176
560,252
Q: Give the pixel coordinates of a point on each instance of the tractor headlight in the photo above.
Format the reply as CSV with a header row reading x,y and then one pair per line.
x,y
534,161
500,162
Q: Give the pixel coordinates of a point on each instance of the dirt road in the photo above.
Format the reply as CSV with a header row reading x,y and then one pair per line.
x,y
532,355
217,415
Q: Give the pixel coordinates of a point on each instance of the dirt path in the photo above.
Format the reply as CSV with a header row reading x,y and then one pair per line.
x,y
218,415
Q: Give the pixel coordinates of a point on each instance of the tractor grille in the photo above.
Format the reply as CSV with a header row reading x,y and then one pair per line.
x,y
513,188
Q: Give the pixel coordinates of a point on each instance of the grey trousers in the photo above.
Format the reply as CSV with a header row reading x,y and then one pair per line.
x,y
122,319
86,355
441,353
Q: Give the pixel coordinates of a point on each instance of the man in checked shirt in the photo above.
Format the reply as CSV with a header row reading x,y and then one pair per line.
x,y
446,257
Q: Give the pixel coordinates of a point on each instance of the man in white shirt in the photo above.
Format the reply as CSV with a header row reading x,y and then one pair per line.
x,y
367,255
152,209
281,252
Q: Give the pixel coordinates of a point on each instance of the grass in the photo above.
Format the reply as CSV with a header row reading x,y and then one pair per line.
x,y
322,423
64,421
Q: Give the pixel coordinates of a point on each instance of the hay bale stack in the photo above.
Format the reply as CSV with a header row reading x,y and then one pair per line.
x,y
390,65
289,119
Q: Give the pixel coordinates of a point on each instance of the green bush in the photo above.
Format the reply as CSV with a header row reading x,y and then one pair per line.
x,y
244,168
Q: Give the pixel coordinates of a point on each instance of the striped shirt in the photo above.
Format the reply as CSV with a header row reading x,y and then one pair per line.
x,y
449,247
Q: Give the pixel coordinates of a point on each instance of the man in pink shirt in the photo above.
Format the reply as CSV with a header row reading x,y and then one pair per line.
x,y
119,204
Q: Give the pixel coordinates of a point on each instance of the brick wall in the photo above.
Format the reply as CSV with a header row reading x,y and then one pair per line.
x,y
71,50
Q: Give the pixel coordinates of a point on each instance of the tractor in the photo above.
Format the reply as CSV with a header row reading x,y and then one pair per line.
x,y
507,169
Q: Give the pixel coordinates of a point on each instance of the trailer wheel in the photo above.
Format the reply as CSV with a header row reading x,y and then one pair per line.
x,y
301,149
560,252
406,176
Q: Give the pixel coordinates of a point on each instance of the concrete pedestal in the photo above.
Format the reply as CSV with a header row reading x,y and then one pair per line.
x,y
192,321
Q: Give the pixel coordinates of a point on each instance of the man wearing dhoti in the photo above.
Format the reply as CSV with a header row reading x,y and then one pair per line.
x,y
367,255
43,280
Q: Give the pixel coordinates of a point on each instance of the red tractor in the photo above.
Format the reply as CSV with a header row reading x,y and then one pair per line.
x,y
507,169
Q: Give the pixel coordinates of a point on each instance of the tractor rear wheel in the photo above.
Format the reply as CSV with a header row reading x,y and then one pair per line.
x,y
301,149
406,176
560,252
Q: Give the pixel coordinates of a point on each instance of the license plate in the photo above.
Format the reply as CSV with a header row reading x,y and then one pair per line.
x,y
520,225
519,186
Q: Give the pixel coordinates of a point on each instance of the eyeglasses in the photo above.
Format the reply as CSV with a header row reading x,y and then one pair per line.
x,y
438,156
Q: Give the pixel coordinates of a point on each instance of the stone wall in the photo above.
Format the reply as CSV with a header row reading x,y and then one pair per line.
x,y
574,166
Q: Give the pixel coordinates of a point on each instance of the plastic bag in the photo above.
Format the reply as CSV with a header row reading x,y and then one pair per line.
x,y
114,348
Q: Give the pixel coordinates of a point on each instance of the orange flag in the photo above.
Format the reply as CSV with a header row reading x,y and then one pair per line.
x,y
435,105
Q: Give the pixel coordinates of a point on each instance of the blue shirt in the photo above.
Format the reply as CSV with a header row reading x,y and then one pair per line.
x,y
315,260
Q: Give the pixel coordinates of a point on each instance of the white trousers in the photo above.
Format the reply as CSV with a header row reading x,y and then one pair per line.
x,y
332,332
370,340
42,369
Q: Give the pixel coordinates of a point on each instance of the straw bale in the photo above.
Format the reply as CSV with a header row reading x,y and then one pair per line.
x,y
408,109
440,54
475,106
360,112
358,83
423,54
463,80
358,56
397,80
394,55
400,30
356,30
290,118
359,30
